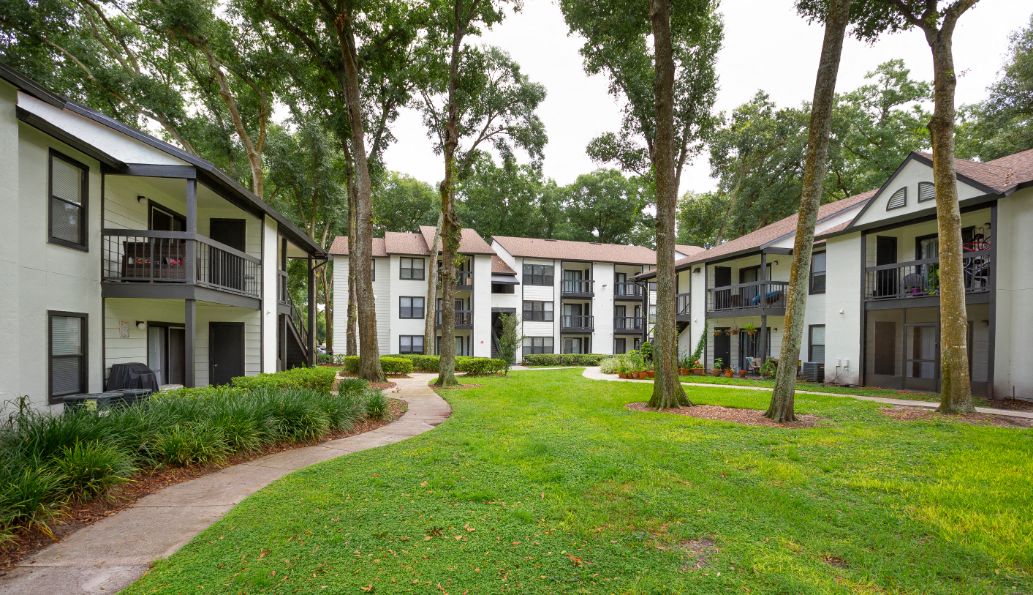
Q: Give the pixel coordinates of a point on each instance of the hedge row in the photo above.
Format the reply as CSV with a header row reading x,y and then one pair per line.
x,y
405,363
317,378
392,365
563,359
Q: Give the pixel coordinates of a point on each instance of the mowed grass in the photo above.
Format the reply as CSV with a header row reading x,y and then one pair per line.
x,y
864,391
544,482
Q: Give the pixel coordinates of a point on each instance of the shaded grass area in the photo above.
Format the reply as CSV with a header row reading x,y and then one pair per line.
x,y
817,387
545,482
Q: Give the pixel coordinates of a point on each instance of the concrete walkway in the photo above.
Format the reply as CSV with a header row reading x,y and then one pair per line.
x,y
596,374
109,555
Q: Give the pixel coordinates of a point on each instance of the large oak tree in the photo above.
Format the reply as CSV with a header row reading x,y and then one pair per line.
x,y
659,57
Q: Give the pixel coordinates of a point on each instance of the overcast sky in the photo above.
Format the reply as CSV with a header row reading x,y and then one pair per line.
x,y
766,46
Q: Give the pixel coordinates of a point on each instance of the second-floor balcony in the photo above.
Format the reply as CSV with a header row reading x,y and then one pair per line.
x,y
758,297
627,290
577,288
577,323
464,279
921,278
463,319
683,306
172,258
628,324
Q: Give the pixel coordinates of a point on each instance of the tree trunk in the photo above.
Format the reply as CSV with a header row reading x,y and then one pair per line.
x,y
955,384
449,226
350,332
667,389
430,323
361,251
781,408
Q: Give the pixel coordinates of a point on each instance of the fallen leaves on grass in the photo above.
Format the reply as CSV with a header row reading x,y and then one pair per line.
x,y
748,417
984,419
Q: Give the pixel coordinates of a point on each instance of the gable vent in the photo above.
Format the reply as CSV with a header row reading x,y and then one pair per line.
x,y
926,191
897,200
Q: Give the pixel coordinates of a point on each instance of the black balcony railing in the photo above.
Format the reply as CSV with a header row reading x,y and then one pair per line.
x,y
683,305
921,278
628,324
627,290
758,295
577,287
464,318
464,278
577,323
141,256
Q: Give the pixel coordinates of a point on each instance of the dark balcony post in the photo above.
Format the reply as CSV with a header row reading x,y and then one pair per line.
x,y
311,313
644,286
992,307
190,330
763,305
190,254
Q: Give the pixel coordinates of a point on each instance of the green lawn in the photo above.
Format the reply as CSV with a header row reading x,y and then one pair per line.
x,y
544,482
814,386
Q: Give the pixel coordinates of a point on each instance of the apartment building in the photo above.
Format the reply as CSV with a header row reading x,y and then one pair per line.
x,y
580,297
117,247
401,266
873,311
569,297
736,292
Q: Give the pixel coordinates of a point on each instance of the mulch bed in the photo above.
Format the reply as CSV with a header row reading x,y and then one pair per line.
x,y
748,417
983,419
1010,404
78,515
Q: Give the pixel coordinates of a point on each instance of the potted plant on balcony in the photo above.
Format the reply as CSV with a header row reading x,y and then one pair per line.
x,y
718,364
718,332
750,329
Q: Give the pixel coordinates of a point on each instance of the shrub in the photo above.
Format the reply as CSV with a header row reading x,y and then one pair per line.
x,y
396,366
318,378
376,405
609,365
350,363
647,351
30,494
89,469
424,363
480,366
351,386
564,359
297,419
191,443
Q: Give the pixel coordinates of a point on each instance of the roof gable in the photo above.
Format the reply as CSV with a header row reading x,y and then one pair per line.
x,y
573,250
908,190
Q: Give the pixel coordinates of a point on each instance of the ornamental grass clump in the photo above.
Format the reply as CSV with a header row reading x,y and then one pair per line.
x,y
50,460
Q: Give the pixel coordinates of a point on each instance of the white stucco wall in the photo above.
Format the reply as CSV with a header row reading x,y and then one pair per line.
x,y
10,245
481,305
602,307
1013,374
908,177
843,308
45,276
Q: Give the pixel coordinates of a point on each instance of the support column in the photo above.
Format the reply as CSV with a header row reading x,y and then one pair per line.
x,y
190,257
763,289
645,310
190,330
992,313
311,313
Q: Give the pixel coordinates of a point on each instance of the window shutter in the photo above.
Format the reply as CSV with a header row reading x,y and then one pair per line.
x,y
926,191
897,200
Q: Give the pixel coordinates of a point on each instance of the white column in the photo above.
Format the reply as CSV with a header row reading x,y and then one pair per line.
x,y
270,289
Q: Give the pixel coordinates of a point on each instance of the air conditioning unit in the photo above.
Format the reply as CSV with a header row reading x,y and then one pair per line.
x,y
814,371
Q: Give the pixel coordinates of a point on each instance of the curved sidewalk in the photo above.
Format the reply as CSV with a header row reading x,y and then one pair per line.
x,y
596,374
109,555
